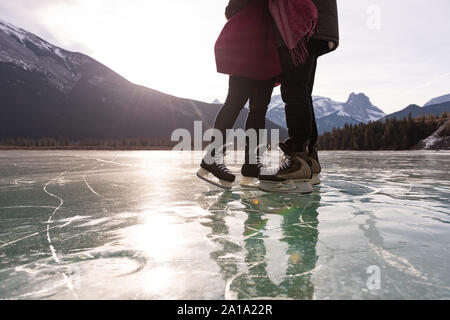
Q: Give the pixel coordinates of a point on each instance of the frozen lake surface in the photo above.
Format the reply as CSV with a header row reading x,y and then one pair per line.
x,y
140,225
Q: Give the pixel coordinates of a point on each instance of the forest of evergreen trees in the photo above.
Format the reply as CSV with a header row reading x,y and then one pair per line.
x,y
66,143
391,134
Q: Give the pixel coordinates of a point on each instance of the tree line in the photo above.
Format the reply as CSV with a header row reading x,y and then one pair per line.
x,y
67,143
390,134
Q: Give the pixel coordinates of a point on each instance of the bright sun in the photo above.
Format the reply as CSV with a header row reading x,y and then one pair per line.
x,y
165,45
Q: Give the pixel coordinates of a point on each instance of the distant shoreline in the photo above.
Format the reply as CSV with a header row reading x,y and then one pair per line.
x,y
6,148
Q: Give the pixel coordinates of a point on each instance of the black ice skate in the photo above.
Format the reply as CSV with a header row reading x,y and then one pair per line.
x,y
251,171
216,173
250,175
293,176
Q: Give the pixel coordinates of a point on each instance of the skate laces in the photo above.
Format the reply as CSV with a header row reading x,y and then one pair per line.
x,y
286,162
259,164
220,163
262,154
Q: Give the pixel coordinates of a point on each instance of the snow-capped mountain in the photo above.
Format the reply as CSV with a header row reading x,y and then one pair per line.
x,y
62,68
438,100
331,114
46,91
322,107
325,106
359,107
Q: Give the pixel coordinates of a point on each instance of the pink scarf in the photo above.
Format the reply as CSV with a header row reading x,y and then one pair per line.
x,y
297,22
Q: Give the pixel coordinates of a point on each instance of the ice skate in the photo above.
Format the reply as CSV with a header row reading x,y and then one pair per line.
x,y
216,173
293,176
250,175
251,171
316,167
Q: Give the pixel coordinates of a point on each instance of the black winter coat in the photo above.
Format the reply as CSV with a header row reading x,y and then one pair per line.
x,y
328,28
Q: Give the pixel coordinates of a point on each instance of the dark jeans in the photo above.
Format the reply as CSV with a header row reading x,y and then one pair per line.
x,y
240,91
297,83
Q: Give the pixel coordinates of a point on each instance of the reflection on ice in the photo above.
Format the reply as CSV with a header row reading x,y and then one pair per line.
x,y
140,225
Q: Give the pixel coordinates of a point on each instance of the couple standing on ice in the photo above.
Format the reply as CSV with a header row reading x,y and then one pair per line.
x,y
266,43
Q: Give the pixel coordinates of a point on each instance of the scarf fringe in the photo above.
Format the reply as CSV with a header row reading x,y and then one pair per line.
x,y
300,52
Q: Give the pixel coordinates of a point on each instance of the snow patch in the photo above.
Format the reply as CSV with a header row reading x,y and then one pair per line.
x,y
22,49
341,113
12,30
430,141
436,138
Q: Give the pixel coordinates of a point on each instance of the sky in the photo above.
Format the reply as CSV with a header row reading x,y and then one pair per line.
x,y
396,52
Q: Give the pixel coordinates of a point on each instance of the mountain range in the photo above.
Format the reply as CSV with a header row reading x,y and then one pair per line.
x,y
47,91
358,109
332,114
438,100
416,111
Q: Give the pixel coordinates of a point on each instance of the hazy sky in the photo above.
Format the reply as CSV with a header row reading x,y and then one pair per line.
x,y
397,52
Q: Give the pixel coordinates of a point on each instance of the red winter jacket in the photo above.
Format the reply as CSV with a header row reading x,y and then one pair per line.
x,y
247,46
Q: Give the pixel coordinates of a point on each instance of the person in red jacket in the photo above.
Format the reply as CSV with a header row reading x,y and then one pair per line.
x,y
240,91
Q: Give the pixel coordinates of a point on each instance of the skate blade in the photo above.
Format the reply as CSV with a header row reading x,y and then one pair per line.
x,y
279,187
248,182
210,178
301,186
315,181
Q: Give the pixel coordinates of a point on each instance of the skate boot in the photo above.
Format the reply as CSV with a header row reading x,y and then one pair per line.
x,y
250,175
293,176
315,165
216,173
251,171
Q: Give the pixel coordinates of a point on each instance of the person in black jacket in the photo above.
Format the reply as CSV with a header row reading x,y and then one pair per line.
x,y
297,84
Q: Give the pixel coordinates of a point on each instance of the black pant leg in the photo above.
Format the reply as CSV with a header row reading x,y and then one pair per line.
x,y
296,89
239,91
314,132
256,119
259,102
